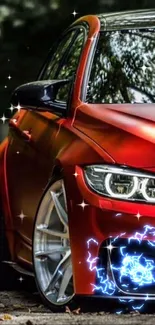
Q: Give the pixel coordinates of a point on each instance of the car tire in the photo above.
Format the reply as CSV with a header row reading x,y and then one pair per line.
x,y
51,252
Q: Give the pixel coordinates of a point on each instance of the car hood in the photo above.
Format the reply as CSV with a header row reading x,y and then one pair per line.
x,y
126,132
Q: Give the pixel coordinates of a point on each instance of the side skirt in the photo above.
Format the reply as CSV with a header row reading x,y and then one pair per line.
x,y
18,268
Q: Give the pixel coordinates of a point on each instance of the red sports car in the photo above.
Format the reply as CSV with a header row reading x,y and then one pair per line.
x,y
77,168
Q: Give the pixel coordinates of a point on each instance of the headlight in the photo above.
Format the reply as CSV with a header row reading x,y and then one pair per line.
x,y
120,183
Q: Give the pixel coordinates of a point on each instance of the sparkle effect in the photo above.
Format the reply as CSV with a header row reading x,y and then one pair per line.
x,y
83,205
11,108
74,13
22,215
21,279
135,270
9,77
138,216
76,174
106,286
18,107
110,247
3,119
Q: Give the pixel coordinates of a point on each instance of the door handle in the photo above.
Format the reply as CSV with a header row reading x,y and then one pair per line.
x,y
27,134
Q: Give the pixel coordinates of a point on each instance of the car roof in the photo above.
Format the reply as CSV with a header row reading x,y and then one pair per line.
x,y
127,19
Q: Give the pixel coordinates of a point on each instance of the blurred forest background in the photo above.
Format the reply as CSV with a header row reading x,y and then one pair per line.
x,y
29,27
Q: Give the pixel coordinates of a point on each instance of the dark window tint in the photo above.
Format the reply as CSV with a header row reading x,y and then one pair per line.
x,y
123,70
71,61
52,67
69,65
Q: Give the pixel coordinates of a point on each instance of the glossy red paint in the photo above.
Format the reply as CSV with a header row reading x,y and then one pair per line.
x,y
5,196
94,28
125,127
91,134
101,219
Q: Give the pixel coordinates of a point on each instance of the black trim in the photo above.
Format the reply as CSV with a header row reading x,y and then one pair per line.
x,y
88,68
77,27
54,47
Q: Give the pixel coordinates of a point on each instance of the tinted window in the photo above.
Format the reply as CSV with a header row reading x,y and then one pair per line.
x,y
71,61
123,70
69,65
52,67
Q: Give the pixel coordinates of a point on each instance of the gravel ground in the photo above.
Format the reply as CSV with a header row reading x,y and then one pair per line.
x,y
25,308
61,319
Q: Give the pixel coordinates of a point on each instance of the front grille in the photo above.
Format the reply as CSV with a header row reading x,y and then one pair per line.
x,y
133,266
129,269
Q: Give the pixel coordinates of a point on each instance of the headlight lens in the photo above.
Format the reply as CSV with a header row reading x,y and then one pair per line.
x,y
120,183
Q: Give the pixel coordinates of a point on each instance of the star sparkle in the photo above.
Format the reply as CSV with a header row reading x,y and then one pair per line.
x,y
83,204
76,174
74,13
138,216
11,108
22,215
3,119
18,107
21,279
9,77
110,247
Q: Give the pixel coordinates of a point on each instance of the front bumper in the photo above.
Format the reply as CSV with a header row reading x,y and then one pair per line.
x,y
96,222
127,269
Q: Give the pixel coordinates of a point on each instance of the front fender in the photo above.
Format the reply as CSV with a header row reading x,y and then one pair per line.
x,y
4,195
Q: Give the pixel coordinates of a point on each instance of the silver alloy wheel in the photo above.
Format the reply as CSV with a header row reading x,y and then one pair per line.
x,y
51,247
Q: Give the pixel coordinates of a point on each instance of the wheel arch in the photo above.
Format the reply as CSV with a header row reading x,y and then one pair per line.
x,y
57,170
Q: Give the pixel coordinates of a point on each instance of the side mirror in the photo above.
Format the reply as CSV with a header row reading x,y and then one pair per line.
x,y
40,96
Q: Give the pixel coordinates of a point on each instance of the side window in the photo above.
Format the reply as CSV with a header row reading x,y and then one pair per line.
x,y
52,67
70,64
68,68
65,60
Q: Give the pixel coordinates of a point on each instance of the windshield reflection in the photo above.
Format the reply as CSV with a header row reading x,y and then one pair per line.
x,y
124,68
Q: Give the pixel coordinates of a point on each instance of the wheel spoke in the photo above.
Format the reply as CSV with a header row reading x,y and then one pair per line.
x,y
58,272
48,212
60,210
52,251
45,230
64,195
64,283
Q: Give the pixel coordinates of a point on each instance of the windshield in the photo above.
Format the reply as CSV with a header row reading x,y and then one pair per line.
x,y
123,69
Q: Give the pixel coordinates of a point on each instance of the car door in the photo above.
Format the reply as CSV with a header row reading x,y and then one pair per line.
x,y
32,138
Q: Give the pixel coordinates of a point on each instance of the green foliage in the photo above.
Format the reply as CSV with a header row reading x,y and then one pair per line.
x,y
28,29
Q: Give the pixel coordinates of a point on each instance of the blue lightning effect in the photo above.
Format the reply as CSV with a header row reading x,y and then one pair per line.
x,y
134,271
90,241
106,286
137,268
138,307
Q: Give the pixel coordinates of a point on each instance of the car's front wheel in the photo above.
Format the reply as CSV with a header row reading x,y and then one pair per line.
x,y
51,250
